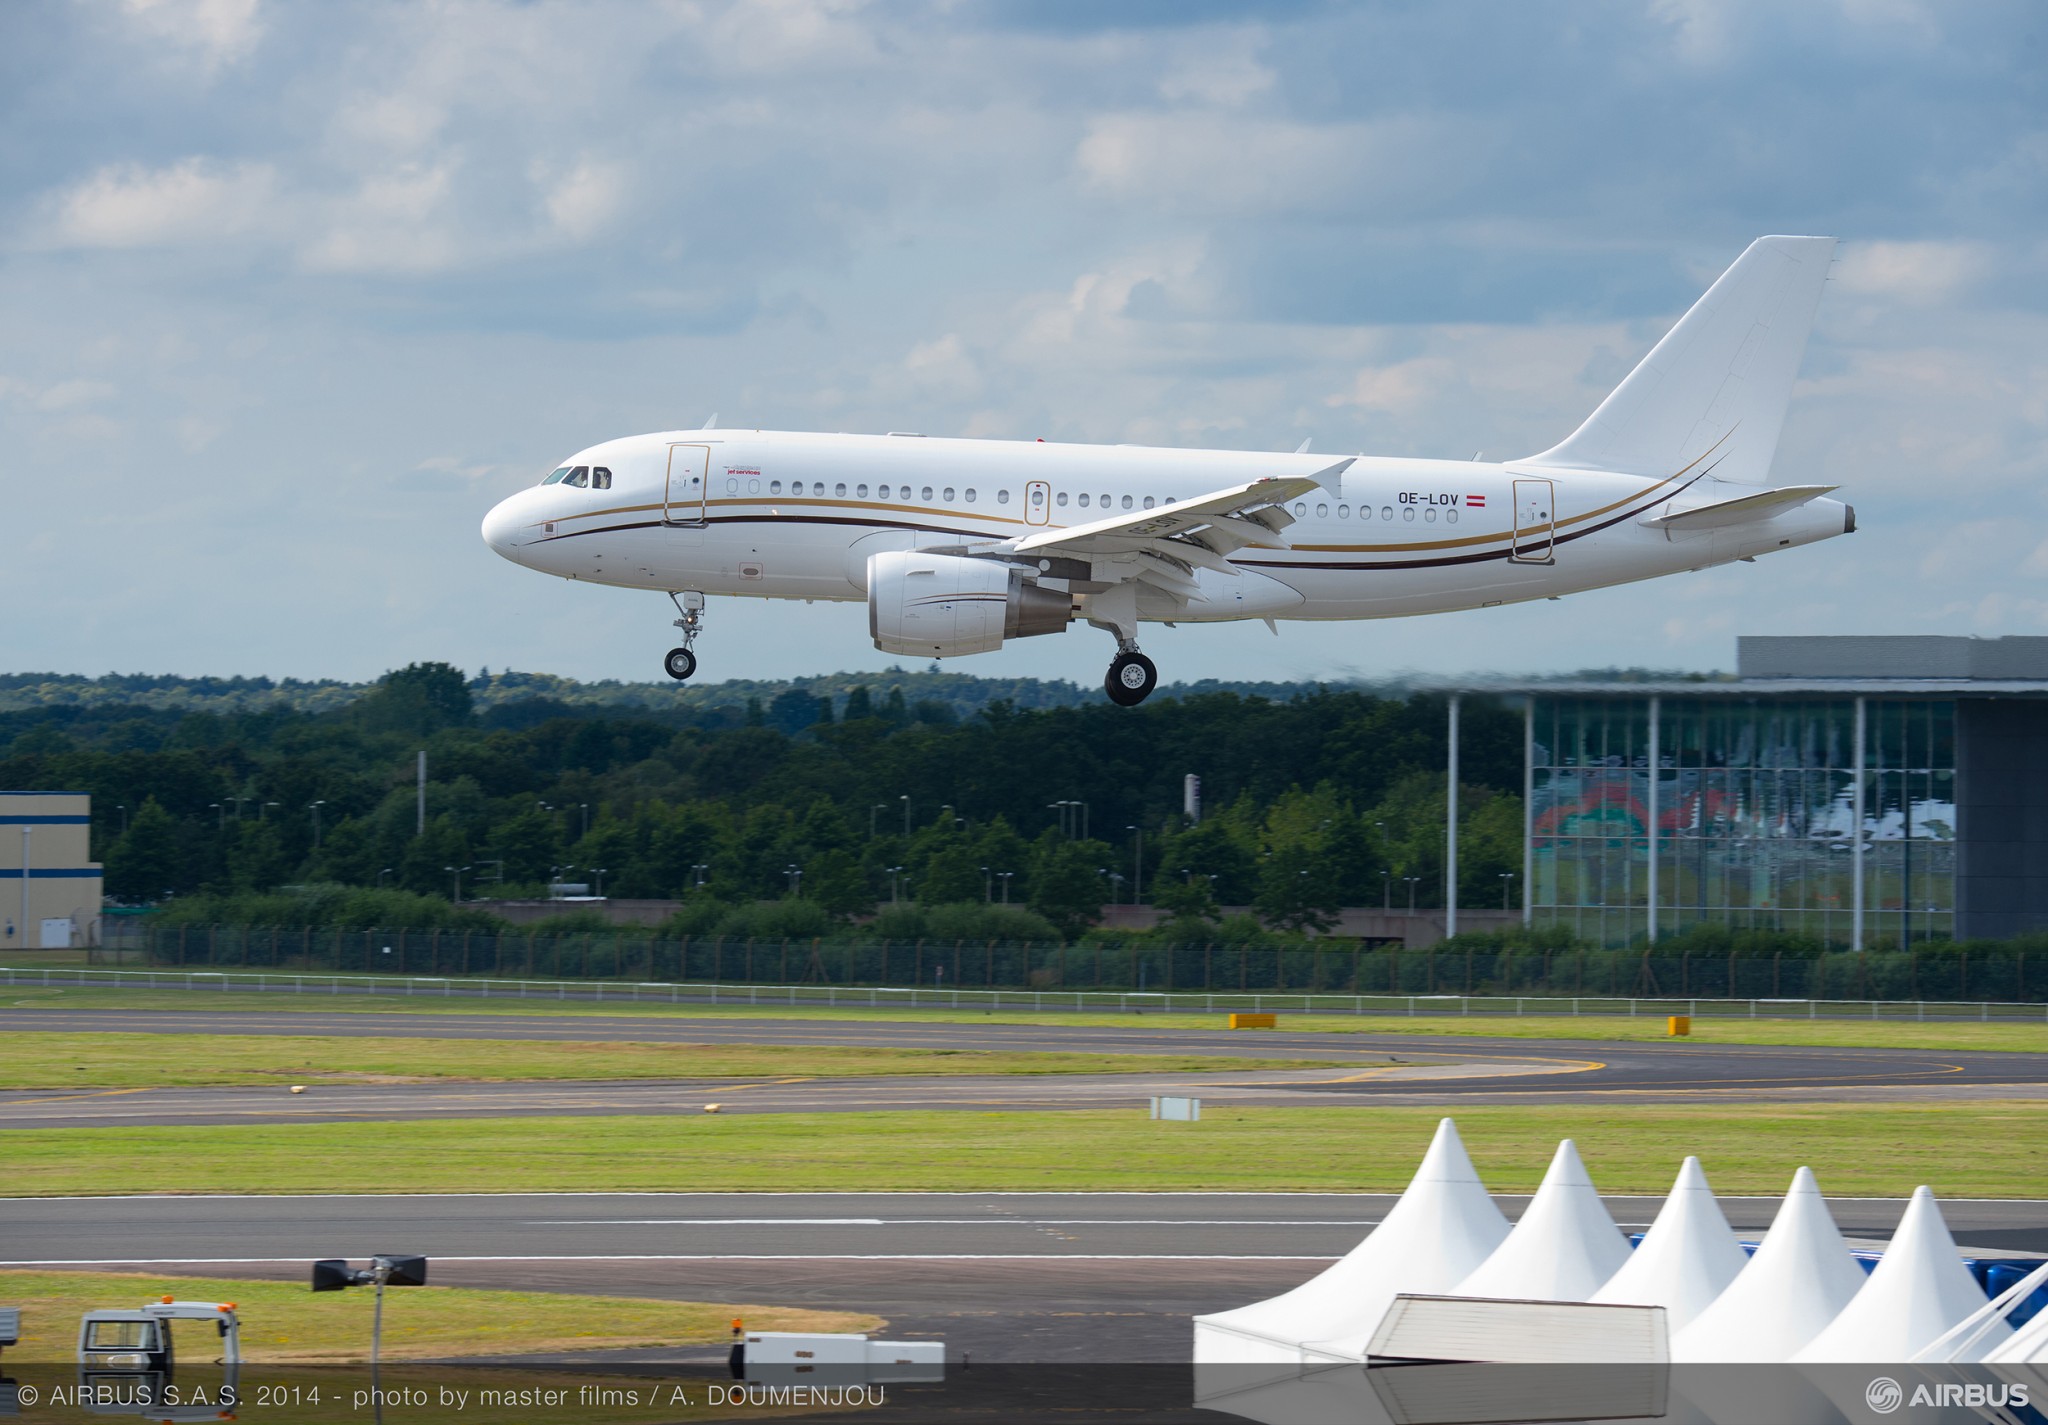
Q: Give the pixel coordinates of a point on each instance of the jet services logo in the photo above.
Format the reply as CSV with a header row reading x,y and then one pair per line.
x,y
1885,1395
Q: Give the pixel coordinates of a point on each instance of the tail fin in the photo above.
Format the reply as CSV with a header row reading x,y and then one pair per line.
x,y
1713,392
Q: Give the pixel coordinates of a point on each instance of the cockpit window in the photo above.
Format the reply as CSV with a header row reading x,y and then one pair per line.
x,y
579,477
600,478
558,476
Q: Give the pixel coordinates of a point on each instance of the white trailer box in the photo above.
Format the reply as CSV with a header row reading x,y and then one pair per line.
x,y
791,1356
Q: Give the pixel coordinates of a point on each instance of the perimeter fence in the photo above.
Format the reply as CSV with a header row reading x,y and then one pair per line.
x,y
1101,964
816,996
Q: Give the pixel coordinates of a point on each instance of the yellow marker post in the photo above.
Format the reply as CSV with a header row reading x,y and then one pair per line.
x,y
1254,1021
1680,1026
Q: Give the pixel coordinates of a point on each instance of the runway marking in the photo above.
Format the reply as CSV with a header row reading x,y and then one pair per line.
x,y
945,1222
65,1096
713,1257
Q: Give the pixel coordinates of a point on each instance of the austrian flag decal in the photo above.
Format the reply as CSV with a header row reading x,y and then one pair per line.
x,y
1475,502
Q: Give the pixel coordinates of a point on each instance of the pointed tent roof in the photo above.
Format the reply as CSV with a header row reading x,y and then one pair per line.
x,y
1986,1331
1565,1246
1798,1281
1919,1289
1442,1226
1686,1259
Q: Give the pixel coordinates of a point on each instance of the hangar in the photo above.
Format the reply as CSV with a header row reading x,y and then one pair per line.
x,y
1867,790
49,885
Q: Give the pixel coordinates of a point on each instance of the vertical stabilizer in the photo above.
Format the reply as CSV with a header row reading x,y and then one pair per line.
x,y
1713,392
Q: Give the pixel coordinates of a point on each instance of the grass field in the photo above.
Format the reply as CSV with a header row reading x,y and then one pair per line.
x,y
284,1323
1875,1150
1895,1034
89,1060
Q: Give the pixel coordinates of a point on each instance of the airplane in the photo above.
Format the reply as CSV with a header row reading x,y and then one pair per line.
x,y
959,545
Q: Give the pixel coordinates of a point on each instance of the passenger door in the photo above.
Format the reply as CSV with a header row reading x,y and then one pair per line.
x,y
1535,522
683,498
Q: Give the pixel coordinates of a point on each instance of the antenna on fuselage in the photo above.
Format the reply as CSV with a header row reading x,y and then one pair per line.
x,y
711,424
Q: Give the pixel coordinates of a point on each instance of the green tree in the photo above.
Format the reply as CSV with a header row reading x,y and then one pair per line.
x,y
836,881
419,698
145,862
1067,884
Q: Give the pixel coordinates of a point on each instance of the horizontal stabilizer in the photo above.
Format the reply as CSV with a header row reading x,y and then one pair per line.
x,y
1740,510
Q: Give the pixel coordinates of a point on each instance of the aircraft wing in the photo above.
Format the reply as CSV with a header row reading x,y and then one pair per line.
x,y
1163,547
1203,531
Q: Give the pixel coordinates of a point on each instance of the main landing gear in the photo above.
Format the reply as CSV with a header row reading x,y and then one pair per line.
x,y
1132,677
680,663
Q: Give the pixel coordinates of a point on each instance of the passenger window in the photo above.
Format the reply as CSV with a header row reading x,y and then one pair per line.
x,y
1061,499
860,492
882,492
774,487
1002,497
949,494
1105,502
1148,502
1300,510
1127,502
1343,512
839,491
1082,500
1322,512
600,478
927,496
579,477
970,494
557,477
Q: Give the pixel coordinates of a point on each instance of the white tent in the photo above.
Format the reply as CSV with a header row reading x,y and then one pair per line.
x,y
1798,1281
1686,1259
1919,1290
1563,1248
1443,1225
1985,1330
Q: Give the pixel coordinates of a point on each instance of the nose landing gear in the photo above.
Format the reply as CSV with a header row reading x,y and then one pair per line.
x,y
680,663
1132,677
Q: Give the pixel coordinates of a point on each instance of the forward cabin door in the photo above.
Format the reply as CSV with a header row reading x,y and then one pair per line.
x,y
1535,522
683,501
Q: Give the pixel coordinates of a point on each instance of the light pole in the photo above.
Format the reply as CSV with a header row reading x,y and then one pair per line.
x,y
873,812
1386,890
795,873
988,886
599,872
1061,808
122,807
586,817
1137,864
895,896
263,812
1412,881
456,871
316,821
905,799
1507,879
1004,877
698,871
220,822
380,877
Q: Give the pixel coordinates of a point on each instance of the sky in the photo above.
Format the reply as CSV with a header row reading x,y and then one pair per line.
x,y
291,294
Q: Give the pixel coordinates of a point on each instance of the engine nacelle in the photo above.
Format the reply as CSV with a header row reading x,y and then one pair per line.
x,y
941,605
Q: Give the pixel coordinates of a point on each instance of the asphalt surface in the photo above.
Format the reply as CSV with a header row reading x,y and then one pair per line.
x,y
1003,1276
1389,1069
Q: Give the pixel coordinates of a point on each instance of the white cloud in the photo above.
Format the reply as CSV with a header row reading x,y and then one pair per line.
x,y
586,200
216,32
1923,271
193,200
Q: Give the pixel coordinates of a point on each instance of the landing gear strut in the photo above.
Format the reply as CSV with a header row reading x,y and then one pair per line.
x,y
1131,678
680,663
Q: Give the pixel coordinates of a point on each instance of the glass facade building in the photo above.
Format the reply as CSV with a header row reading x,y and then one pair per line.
x,y
1834,816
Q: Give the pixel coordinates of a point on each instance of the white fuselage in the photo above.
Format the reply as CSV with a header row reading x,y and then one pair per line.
x,y
781,515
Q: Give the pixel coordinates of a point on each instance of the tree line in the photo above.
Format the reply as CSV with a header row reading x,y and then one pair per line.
x,y
842,796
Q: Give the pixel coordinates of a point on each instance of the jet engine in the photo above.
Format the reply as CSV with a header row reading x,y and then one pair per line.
x,y
943,605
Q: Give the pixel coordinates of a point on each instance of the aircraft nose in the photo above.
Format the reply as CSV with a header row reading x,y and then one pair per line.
x,y
501,529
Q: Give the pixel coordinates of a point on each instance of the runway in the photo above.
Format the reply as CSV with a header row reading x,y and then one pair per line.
x,y
1004,1276
1390,1069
